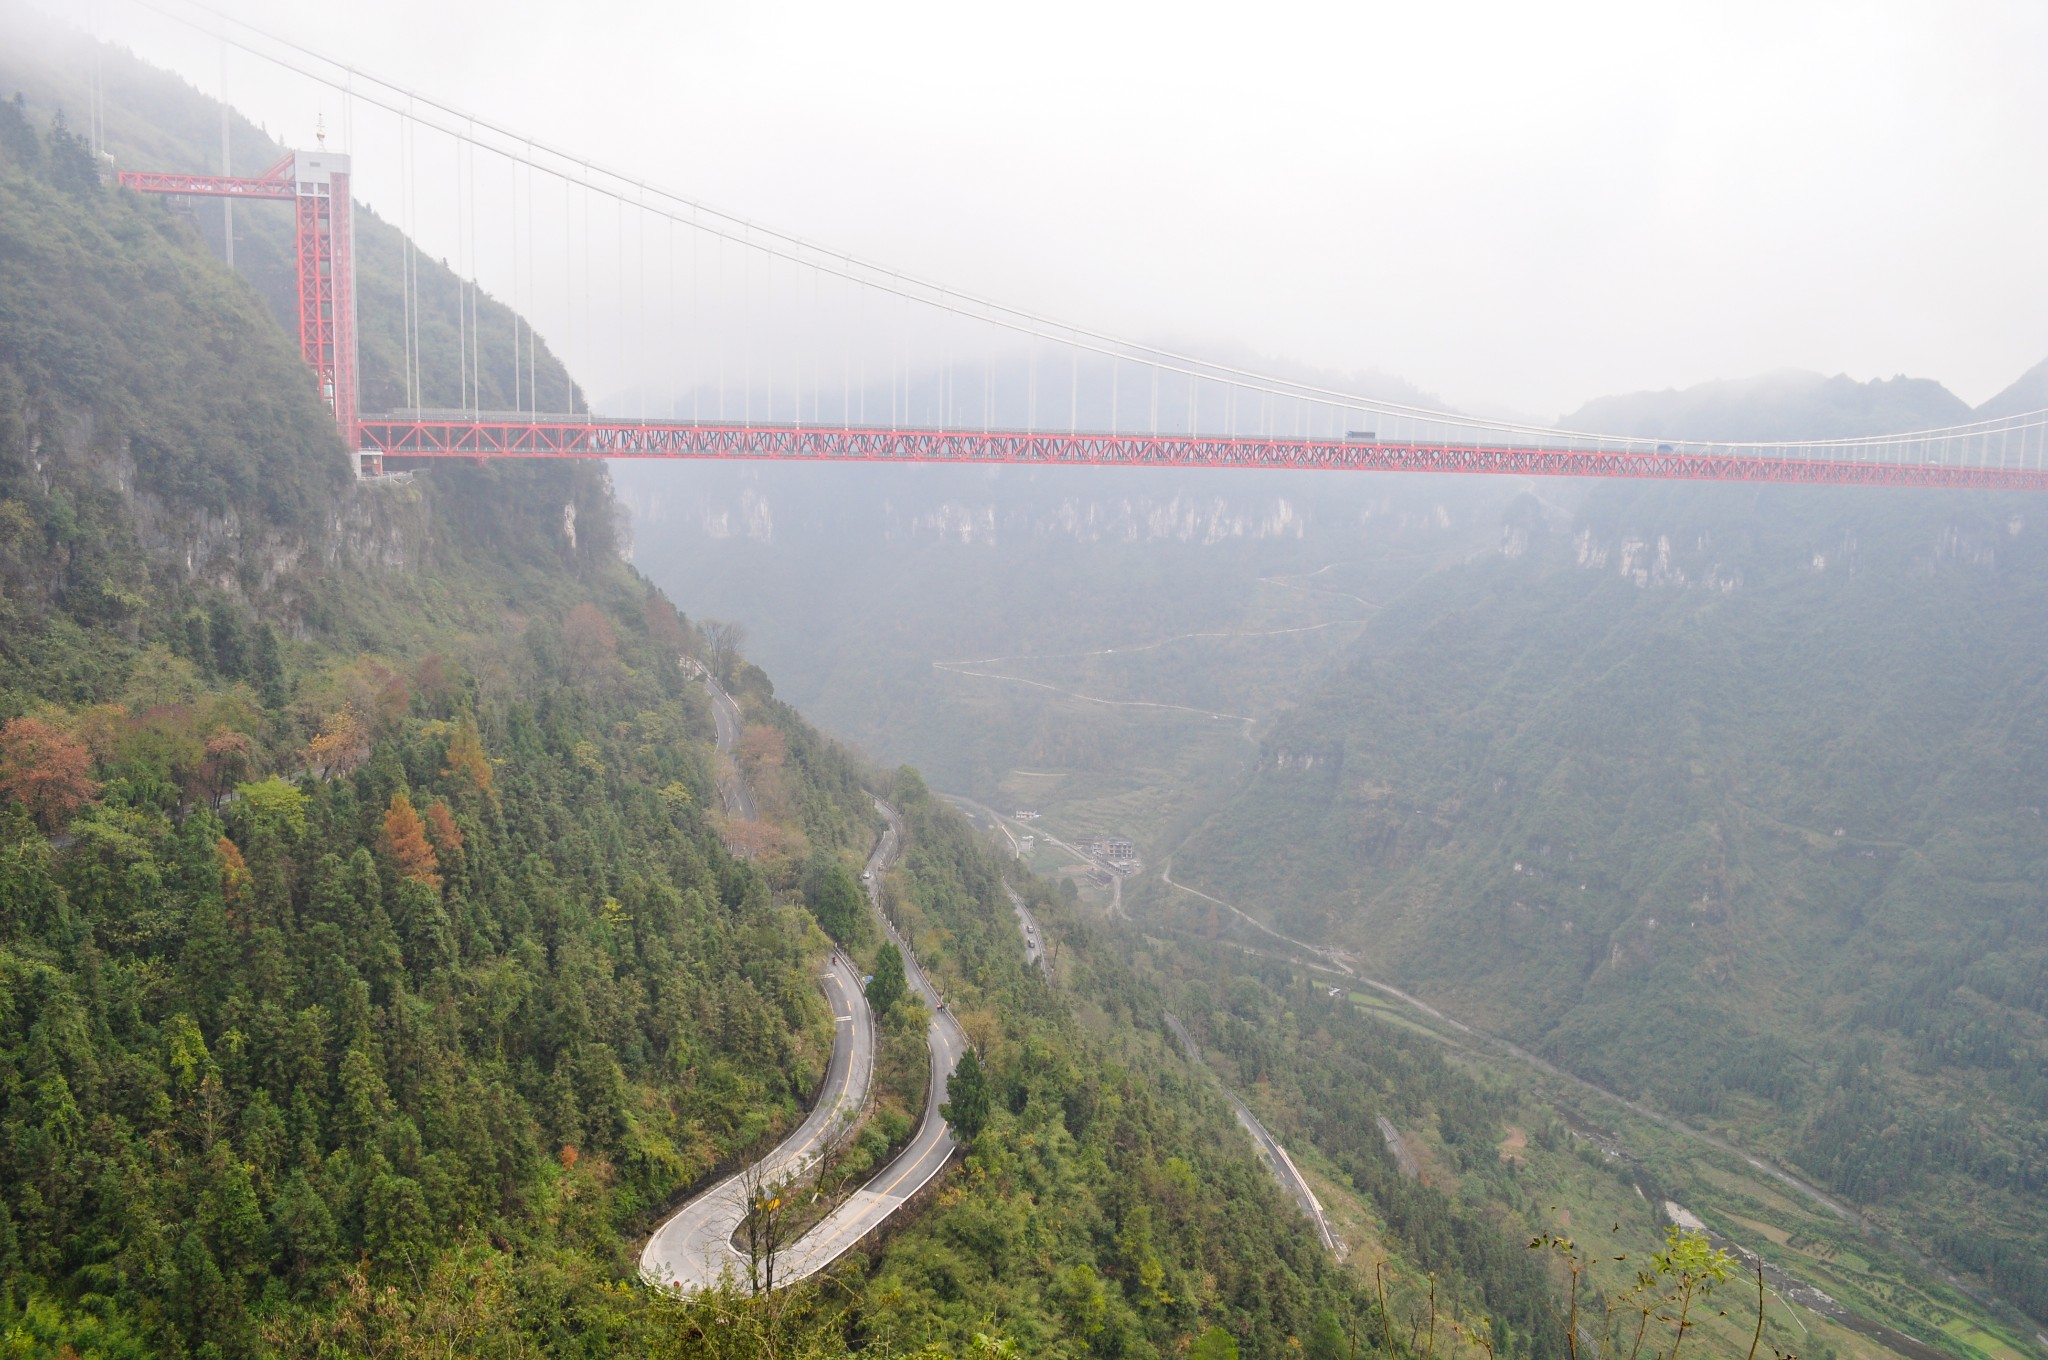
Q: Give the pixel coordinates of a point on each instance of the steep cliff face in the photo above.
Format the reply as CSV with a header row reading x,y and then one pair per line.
x,y
162,451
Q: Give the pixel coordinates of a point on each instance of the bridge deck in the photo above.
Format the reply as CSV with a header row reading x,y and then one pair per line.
x,y
425,437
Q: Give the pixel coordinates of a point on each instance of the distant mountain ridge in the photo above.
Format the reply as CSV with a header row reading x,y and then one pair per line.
x,y
1787,404
2029,392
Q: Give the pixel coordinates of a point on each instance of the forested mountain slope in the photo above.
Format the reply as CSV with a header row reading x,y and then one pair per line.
x,y
1729,796
374,963
356,897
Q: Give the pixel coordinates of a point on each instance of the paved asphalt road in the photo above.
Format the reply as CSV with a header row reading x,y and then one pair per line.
x,y
725,720
694,1247
932,1146
1268,1147
1034,938
1403,1158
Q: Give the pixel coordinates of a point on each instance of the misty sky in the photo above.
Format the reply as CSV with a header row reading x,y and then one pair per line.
x,y
1516,206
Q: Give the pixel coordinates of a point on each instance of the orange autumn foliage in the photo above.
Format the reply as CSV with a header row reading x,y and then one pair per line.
x,y
762,747
46,771
441,828
234,870
343,744
466,757
405,836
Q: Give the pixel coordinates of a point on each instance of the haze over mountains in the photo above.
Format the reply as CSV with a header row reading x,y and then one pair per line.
x,y
385,951
1724,796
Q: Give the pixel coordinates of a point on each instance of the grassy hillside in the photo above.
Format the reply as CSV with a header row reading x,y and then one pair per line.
x,y
1725,796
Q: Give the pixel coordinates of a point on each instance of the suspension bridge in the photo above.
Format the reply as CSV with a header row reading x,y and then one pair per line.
x,y
735,340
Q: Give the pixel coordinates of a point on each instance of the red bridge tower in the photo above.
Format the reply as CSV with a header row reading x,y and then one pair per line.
x,y
317,182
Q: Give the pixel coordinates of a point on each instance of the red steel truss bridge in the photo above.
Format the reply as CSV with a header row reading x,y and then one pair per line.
x,y
453,435
749,342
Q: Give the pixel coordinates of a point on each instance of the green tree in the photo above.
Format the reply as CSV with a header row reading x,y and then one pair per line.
x,y
886,988
269,668
1214,1344
1325,1340
302,1235
967,1104
18,135
71,161
397,1229
835,900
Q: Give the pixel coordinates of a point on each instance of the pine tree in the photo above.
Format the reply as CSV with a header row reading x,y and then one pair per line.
x,y
967,1103
269,668
405,837
886,988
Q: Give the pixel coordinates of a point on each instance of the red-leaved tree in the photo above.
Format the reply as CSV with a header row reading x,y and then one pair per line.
x,y
46,771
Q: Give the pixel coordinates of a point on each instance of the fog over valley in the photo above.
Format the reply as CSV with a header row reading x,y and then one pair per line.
x,y
802,682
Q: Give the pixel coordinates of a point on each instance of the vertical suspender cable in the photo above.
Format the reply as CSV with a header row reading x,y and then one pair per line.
x,y
572,295
462,268
419,364
227,205
533,295
616,323
746,326
1031,388
412,399
669,298
476,347
1074,390
619,275
719,242
696,329
587,359
518,293
1116,376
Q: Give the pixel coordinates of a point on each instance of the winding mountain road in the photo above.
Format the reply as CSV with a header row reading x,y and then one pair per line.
x,y
930,1148
694,1247
1034,938
725,720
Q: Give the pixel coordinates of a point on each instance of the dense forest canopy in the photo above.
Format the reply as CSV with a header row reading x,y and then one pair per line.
x,y
376,963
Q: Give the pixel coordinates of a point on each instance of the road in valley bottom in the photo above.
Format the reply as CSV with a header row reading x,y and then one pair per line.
x,y
693,1248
